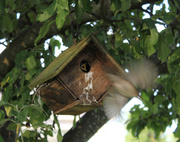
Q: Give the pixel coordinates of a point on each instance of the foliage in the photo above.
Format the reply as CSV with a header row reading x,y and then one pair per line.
x,y
149,136
120,27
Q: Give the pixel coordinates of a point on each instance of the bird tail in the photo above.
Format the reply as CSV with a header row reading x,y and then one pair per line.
x,y
113,103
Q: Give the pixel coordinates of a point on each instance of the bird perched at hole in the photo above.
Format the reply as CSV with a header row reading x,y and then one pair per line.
x,y
140,75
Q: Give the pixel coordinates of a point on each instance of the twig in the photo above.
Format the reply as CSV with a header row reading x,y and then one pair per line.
x,y
3,44
17,132
150,13
104,27
37,93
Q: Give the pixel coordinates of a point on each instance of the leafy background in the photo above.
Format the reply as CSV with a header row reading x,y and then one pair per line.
x,y
119,25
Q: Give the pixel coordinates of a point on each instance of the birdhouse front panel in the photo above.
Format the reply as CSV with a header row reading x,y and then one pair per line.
x,y
85,76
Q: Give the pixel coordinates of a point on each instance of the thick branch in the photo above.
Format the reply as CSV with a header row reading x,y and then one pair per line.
x,y
26,40
87,127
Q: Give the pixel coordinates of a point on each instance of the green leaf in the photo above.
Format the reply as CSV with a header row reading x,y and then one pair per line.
x,y
136,126
60,18
54,43
36,115
125,5
148,24
56,121
176,87
74,122
115,6
144,96
63,4
8,91
154,36
1,7
21,58
134,50
2,103
149,49
1,139
177,131
10,4
163,48
67,40
81,7
6,23
43,31
154,108
62,12
177,105
173,61
31,62
22,116
28,76
48,132
79,11
59,135
148,41
156,127
48,12
163,14
2,114
30,135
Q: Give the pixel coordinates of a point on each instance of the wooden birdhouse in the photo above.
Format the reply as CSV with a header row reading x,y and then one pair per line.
x,y
76,81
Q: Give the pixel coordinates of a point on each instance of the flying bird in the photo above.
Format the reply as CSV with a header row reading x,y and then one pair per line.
x,y
139,75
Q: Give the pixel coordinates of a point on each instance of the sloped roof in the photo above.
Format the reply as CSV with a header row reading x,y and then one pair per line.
x,y
59,63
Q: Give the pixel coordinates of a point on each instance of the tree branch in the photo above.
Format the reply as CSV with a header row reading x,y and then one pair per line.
x,y
86,127
26,40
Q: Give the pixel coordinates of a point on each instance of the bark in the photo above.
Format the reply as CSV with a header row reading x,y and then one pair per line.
x,y
86,127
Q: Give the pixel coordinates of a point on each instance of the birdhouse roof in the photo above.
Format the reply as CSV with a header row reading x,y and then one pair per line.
x,y
60,63
66,57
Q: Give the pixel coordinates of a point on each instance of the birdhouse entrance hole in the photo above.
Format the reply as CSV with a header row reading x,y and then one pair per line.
x,y
85,66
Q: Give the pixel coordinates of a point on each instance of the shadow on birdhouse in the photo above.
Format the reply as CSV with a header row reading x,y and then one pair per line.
x,y
76,81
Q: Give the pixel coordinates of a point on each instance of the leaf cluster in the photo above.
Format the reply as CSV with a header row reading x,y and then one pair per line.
x,y
23,107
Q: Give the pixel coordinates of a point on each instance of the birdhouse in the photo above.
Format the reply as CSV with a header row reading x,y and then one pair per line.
x,y
76,81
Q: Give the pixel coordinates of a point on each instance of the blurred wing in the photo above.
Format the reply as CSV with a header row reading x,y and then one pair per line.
x,y
142,74
123,87
113,103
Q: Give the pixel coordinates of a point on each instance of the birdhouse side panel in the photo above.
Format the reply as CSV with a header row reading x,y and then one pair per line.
x,y
108,62
56,96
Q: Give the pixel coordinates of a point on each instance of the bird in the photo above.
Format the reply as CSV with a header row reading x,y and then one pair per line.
x,y
137,75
